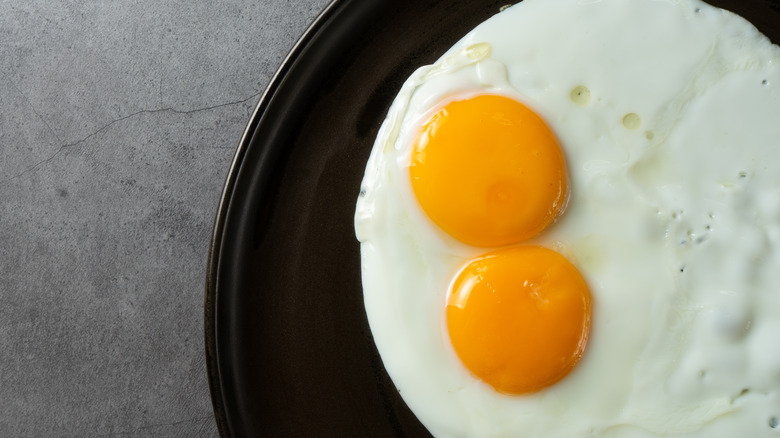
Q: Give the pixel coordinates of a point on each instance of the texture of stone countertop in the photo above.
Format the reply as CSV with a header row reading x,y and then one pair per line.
x,y
118,121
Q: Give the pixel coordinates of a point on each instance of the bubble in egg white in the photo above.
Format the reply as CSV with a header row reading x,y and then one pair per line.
x,y
631,121
580,95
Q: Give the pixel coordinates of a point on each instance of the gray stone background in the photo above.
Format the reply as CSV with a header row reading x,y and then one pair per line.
x,y
118,121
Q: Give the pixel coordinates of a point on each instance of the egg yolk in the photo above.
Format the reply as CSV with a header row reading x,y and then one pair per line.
x,y
488,171
519,317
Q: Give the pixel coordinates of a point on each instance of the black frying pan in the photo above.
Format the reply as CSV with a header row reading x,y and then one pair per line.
x,y
288,346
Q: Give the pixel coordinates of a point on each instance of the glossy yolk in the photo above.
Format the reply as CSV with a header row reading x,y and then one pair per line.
x,y
519,317
488,171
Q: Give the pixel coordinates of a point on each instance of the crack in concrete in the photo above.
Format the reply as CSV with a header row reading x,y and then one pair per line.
x,y
162,73
32,107
111,123
153,426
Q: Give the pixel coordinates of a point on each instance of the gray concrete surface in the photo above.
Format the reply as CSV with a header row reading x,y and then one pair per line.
x,y
118,120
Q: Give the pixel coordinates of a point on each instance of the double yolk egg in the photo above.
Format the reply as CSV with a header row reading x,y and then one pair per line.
x,y
489,172
667,171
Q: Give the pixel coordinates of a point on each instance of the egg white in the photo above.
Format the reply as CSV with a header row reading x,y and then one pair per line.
x,y
672,223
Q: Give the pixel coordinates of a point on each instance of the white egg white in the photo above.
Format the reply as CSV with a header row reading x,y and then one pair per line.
x,y
673,220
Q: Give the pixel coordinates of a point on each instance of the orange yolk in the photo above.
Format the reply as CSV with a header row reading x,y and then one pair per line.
x,y
488,171
519,318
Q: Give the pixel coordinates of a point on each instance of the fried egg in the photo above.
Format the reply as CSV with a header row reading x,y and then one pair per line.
x,y
647,191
